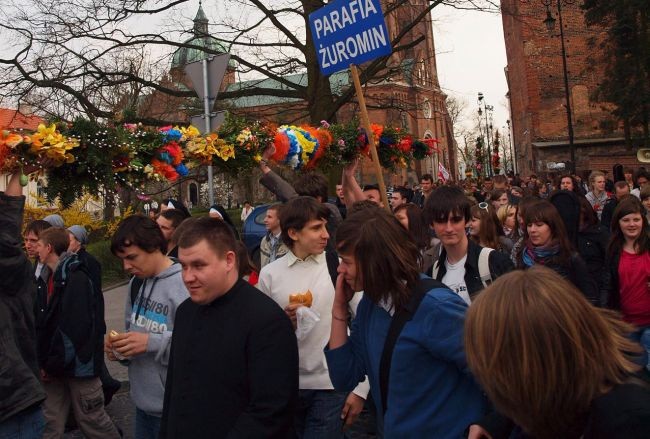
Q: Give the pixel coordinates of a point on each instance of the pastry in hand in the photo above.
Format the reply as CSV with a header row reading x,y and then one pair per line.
x,y
113,334
304,299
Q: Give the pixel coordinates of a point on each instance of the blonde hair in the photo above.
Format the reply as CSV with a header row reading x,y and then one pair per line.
x,y
503,211
593,176
541,352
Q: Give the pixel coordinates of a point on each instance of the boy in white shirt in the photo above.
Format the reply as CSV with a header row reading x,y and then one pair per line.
x,y
302,278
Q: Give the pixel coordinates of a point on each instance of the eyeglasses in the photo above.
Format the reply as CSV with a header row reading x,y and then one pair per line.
x,y
483,205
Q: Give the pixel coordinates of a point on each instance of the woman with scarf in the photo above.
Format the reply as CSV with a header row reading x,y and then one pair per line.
x,y
545,242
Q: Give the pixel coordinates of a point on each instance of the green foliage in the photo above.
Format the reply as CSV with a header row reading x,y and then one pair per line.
x,y
112,271
625,53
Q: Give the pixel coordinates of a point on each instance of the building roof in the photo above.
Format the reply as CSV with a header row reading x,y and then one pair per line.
x,y
338,82
13,119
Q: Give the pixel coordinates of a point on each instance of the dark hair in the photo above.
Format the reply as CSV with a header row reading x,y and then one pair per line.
x,y
446,200
312,185
627,205
418,229
491,228
577,188
174,215
495,194
216,233
524,202
361,205
428,177
389,266
141,231
36,227
57,237
545,212
621,185
641,173
404,193
297,212
588,216
244,262
370,187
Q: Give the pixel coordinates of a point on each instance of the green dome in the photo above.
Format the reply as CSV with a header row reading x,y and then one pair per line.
x,y
201,38
186,55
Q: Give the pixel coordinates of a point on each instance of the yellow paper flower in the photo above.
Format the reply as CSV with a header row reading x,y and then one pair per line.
x,y
48,142
226,152
189,133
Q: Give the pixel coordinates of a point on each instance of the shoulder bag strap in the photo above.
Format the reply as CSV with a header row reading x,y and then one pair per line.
x,y
400,318
484,266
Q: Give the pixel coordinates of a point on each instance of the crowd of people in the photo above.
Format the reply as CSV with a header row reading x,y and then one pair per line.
x,y
501,308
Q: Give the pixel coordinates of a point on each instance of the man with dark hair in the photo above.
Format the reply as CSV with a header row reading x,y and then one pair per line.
x,y
272,247
246,211
301,283
32,231
155,292
463,266
69,322
426,189
500,182
168,221
372,193
398,197
621,189
233,369
21,393
641,178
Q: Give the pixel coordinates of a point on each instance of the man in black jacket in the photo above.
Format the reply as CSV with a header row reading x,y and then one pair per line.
x,y
21,393
459,265
233,367
69,323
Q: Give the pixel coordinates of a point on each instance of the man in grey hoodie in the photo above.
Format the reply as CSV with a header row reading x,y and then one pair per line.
x,y
156,291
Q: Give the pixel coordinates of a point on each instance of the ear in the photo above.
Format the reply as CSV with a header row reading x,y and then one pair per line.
x,y
231,260
293,234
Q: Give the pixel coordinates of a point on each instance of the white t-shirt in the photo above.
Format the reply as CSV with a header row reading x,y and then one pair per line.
x,y
454,278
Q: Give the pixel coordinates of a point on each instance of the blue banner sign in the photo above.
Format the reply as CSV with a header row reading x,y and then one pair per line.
x,y
349,32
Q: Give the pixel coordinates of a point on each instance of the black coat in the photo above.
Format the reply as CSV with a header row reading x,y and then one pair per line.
x,y
70,327
622,413
20,387
498,262
233,369
592,247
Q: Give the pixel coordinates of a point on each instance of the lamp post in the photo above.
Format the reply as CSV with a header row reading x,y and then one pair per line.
x,y
488,128
549,22
513,160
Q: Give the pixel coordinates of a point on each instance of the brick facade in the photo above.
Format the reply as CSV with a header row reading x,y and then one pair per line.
x,y
537,92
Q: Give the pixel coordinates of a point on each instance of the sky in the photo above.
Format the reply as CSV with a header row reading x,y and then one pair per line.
x,y
471,56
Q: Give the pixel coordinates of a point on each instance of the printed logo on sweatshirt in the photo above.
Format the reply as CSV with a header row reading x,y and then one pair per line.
x,y
152,316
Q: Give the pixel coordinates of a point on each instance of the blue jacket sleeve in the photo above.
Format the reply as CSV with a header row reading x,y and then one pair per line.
x,y
442,328
346,363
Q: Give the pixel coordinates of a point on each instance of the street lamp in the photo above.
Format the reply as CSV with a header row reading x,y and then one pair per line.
x,y
487,109
513,159
549,22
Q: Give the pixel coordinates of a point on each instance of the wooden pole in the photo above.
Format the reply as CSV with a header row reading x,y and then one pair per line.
x,y
365,122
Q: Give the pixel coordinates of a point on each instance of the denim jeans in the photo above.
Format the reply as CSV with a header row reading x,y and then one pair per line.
x,y
146,426
319,414
27,424
642,336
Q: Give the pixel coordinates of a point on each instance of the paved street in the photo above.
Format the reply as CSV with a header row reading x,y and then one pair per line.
x,y
114,315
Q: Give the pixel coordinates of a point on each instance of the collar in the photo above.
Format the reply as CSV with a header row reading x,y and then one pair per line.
x,y
228,295
292,258
473,251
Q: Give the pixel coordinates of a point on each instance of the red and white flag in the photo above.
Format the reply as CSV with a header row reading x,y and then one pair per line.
x,y
443,174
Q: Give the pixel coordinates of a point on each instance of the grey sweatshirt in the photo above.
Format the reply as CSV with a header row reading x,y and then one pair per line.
x,y
153,312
